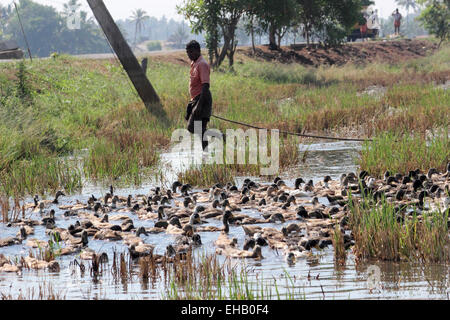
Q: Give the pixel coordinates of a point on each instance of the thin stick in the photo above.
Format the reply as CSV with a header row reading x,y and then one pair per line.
x,y
23,32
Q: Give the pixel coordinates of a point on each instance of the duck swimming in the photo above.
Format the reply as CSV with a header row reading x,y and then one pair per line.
x,y
243,254
141,230
58,194
309,187
175,186
24,232
183,244
50,218
225,220
141,250
212,212
223,241
106,234
268,203
14,240
174,226
79,243
185,188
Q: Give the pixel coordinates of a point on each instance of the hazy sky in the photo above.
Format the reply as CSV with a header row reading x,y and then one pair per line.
x,y
121,9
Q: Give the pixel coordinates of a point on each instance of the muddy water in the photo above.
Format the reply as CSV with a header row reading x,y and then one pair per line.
x,y
312,279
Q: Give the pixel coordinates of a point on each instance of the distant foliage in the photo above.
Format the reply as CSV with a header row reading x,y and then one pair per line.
x,y
436,18
139,16
47,30
219,19
328,20
179,38
158,29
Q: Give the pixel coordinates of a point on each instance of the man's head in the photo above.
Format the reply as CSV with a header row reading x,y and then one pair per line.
x,y
193,50
396,10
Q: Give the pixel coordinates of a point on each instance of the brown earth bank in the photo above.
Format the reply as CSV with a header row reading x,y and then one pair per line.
x,y
356,53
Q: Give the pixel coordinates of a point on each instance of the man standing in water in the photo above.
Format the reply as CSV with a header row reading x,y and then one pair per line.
x,y
200,106
397,20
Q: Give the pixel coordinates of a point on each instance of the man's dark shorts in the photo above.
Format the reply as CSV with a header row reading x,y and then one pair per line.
x,y
197,111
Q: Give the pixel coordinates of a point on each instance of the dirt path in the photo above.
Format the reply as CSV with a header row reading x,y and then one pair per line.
x,y
359,53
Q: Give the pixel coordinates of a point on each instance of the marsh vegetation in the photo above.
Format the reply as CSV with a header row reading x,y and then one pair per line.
x,y
65,125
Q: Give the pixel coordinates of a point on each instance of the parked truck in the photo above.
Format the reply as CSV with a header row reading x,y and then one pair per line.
x,y
369,16
9,49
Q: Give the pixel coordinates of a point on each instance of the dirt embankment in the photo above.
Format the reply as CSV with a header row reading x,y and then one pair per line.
x,y
358,53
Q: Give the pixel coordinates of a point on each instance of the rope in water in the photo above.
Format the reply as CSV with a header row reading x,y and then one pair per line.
x,y
292,133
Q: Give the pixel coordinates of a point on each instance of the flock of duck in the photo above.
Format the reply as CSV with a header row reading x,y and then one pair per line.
x,y
296,220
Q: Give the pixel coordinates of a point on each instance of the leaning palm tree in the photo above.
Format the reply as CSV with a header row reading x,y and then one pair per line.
x,y
139,16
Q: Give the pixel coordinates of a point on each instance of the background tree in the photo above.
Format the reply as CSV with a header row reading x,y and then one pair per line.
x,y
88,39
436,18
124,31
47,31
329,20
154,46
203,17
310,13
219,19
242,36
339,19
179,37
41,25
276,17
139,17
5,12
156,29
249,21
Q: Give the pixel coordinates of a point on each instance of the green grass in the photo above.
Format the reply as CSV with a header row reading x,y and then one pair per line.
x,y
340,253
205,278
40,174
380,235
44,291
404,153
54,108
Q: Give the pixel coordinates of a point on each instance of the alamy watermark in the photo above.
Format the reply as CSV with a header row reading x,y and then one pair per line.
x,y
373,277
237,149
73,18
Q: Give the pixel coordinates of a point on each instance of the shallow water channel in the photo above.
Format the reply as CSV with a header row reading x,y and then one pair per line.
x,y
325,280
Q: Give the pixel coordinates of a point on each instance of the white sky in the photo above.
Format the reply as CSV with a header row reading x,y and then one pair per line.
x,y
121,9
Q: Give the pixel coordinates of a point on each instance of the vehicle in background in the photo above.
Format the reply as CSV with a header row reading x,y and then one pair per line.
x,y
369,16
9,49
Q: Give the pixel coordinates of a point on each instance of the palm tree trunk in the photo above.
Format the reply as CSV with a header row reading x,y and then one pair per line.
x,y
135,35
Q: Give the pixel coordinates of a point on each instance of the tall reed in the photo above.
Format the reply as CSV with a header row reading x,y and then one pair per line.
x,y
380,233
